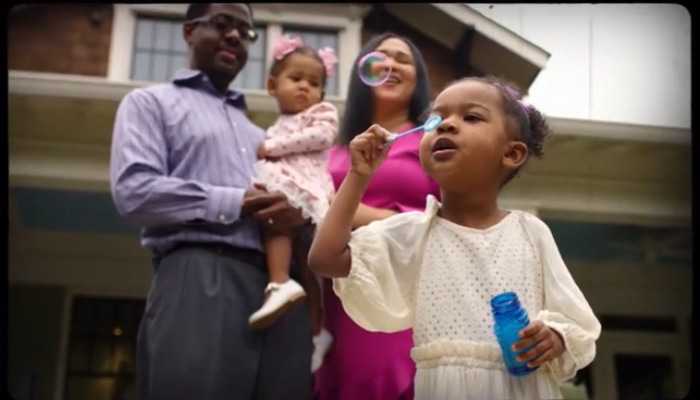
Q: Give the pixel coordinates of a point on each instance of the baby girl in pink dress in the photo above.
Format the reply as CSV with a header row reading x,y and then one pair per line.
x,y
292,160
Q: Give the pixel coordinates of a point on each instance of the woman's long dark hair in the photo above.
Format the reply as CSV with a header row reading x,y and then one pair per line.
x,y
359,106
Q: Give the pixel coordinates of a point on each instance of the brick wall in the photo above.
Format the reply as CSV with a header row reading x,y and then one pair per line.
x,y
60,38
439,59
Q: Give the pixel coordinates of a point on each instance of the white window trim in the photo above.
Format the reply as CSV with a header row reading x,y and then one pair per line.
x,y
274,16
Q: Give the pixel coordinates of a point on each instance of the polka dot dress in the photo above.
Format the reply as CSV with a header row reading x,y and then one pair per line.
x,y
463,269
297,145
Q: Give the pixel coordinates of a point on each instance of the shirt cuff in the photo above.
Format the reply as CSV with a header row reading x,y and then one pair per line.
x,y
224,204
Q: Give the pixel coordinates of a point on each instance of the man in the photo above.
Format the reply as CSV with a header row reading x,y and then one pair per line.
x,y
182,161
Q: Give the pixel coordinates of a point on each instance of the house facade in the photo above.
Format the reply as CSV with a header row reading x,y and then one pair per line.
x,y
615,191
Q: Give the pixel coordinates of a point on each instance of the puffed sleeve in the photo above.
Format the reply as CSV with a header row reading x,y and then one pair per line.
x,y
378,292
565,308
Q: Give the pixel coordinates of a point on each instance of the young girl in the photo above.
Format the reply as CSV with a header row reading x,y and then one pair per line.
x,y
292,160
436,271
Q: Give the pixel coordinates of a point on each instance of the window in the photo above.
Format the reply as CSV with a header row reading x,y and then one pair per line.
x,y
668,245
253,75
642,377
316,39
147,45
159,49
102,349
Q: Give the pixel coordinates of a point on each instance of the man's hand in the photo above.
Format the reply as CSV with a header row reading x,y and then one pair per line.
x,y
271,208
257,198
545,342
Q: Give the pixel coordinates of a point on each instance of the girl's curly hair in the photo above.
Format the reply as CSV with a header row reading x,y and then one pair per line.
x,y
531,125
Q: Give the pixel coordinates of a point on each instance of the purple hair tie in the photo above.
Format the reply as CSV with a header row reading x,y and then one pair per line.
x,y
523,107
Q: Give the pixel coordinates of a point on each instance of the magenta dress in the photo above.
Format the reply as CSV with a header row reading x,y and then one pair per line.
x,y
364,365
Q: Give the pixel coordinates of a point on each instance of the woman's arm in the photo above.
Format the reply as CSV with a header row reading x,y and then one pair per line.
x,y
329,254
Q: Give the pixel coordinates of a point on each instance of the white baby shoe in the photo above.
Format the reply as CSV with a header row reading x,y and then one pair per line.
x,y
322,343
279,298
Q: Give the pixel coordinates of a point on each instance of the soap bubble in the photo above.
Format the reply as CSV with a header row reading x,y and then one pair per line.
x,y
373,69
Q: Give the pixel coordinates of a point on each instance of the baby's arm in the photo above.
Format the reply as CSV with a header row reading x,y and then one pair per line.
x,y
318,133
329,254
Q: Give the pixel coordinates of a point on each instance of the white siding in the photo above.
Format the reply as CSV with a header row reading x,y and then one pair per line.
x,y
626,63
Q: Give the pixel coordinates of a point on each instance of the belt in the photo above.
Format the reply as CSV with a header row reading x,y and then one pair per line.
x,y
250,255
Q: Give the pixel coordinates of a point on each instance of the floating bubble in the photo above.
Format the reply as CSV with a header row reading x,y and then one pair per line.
x,y
373,69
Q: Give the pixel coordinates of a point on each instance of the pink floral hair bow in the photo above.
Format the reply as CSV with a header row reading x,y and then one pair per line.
x,y
288,44
329,59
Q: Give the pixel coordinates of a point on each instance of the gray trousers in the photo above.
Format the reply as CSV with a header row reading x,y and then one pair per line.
x,y
194,341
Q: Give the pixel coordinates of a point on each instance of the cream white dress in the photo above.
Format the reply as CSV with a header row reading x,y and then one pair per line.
x,y
299,143
417,270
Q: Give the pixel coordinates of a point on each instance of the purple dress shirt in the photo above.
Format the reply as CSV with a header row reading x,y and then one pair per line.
x,y
183,155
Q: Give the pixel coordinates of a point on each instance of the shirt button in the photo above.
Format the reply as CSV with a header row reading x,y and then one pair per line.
x,y
243,149
222,218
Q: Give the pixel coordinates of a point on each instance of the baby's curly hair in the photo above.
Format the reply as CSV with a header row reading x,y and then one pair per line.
x,y
531,125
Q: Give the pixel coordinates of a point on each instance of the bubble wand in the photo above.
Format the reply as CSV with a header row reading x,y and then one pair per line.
x,y
432,123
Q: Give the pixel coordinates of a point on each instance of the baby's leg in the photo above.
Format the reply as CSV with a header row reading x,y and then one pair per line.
x,y
308,278
278,251
313,284
282,292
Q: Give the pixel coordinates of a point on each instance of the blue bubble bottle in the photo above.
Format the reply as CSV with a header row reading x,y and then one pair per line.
x,y
509,318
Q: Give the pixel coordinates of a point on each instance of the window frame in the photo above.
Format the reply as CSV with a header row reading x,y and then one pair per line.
x,y
320,30
153,51
345,19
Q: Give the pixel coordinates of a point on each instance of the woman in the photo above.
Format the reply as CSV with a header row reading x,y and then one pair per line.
x,y
362,364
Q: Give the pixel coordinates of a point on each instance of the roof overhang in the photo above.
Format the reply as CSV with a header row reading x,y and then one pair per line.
x,y
487,46
60,130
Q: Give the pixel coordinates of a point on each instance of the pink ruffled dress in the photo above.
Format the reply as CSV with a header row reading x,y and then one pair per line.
x,y
299,143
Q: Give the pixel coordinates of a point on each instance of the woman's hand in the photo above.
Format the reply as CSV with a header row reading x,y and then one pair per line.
x,y
546,344
368,150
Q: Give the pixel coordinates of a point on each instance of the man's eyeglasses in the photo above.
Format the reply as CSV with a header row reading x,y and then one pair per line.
x,y
225,24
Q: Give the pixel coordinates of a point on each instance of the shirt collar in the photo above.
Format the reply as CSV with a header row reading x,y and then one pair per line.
x,y
199,80
432,206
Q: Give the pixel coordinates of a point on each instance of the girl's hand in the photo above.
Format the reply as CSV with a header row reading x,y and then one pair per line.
x,y
368,150
546,344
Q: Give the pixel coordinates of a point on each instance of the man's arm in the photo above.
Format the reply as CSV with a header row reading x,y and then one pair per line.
x,y
141,188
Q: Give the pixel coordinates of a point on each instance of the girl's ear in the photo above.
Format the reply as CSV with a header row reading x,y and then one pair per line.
x,y
272,86
515,155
